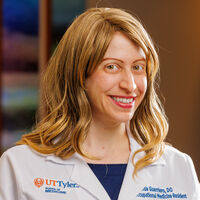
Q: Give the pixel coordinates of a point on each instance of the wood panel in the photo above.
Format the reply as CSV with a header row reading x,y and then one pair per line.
x,y
45,8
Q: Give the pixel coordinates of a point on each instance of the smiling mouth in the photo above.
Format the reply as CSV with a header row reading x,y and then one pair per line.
x,y
123,100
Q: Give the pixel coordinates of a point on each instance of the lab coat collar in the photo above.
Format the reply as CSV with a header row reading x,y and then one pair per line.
x,y
135,146
76,158
72,160
84,177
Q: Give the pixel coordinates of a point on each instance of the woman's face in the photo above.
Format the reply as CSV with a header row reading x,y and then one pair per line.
x,y
117,86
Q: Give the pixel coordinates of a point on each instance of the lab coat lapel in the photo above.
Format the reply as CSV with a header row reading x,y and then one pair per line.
x,y
85,178
130,187
82,175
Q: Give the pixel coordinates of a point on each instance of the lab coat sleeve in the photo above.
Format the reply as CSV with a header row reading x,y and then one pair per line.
x,y
195,183
10,188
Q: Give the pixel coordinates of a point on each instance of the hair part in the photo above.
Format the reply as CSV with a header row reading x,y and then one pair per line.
x,y
67,119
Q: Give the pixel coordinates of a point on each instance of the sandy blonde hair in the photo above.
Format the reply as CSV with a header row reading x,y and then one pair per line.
x,y
68,114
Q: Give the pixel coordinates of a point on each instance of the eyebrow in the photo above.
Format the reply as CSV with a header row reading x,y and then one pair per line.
x,y
137,60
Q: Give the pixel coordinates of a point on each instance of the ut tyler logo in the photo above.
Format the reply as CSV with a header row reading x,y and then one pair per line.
x,y
39,182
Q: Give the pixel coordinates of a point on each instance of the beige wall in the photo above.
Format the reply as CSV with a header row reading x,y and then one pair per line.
x,y
175,28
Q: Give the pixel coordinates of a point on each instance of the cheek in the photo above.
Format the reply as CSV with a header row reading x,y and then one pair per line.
x,y
103,83
97,85
142,85
108,82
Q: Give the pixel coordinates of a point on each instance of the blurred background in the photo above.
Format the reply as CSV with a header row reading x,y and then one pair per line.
x,y
31,29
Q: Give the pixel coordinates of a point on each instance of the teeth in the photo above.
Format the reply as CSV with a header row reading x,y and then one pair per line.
x,y
123,100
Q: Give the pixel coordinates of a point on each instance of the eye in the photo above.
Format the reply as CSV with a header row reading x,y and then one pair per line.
x,y
138,67
112,67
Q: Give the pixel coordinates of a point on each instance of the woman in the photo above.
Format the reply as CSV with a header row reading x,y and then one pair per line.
x,y
102,136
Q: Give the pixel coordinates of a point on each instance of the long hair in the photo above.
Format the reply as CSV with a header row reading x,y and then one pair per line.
x,y
67,110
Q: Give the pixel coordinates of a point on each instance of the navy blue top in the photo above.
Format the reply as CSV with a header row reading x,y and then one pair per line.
x,y
110,176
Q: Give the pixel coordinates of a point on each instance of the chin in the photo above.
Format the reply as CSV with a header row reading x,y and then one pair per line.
x,y
123,118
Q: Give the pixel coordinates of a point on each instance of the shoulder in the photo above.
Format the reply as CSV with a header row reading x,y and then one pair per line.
x,y
171,153
20,154
180,163
19,150
175,157
21,161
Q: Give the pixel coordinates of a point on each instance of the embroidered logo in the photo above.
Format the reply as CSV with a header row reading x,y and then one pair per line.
x,y
39,182
55,186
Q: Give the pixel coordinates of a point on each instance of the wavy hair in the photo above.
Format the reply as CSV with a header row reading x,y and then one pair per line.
x,y
67,117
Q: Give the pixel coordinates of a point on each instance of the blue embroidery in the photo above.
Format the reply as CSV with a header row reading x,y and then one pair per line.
x,y
160,193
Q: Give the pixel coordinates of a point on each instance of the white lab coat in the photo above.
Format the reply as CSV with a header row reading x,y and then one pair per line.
x,y
27,175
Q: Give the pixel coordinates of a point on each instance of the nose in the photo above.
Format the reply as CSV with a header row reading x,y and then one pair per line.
x,y
127,81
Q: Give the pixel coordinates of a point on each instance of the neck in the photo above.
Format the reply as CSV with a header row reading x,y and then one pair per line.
x,y
106,134
107,140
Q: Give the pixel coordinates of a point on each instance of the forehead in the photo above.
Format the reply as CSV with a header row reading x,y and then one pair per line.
x,y
122,47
